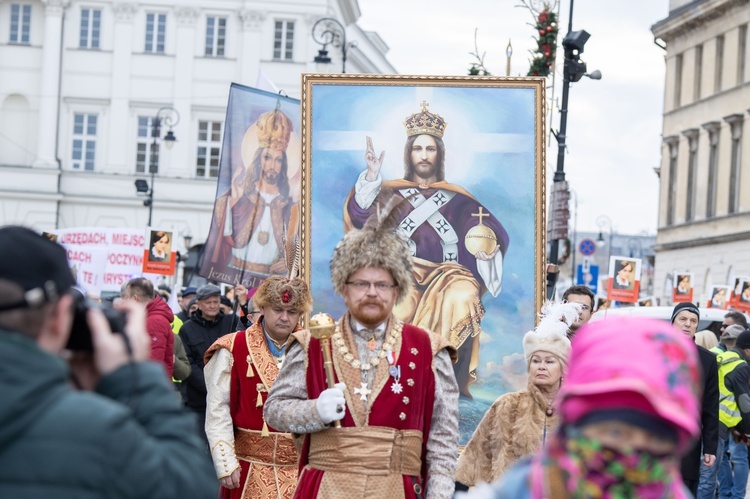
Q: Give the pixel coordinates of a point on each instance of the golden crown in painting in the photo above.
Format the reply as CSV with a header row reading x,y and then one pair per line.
x,y
424,122
274,129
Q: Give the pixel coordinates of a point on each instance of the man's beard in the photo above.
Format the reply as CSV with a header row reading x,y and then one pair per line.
x,y
270,177
369,316
430,172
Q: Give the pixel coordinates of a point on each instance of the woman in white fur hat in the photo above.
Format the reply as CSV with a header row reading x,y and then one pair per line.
x,y
518,423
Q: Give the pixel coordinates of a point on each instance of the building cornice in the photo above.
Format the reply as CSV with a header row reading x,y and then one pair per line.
x,y
692,16
704,241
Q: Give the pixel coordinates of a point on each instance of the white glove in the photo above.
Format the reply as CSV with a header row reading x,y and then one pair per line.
x,y
331,404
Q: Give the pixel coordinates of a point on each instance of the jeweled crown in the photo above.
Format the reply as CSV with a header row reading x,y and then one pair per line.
x,y
424,122
274,129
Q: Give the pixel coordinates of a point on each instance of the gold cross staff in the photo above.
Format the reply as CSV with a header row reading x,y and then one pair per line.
x,y
481,214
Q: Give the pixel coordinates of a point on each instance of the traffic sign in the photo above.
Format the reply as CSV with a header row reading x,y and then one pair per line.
x,y
588,278
587,247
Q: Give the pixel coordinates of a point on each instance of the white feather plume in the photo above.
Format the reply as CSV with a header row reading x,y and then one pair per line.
x,y
557,317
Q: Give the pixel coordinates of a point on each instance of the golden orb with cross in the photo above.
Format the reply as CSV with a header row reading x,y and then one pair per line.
x,y
480,237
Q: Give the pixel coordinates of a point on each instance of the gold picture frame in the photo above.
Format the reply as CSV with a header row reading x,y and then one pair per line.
x,y
493,147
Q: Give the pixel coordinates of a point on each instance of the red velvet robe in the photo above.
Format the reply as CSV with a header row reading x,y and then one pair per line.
x,y
415,402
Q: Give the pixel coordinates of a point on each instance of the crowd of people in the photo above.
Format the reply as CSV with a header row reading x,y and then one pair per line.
x,y
248,405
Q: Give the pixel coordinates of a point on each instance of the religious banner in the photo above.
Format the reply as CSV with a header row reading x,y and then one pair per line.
x,y
682,287
465,156
624,279
743,297
719,297
158,257
103,258
255,225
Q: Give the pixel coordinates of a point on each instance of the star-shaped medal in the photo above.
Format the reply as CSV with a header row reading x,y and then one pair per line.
x,y
396,387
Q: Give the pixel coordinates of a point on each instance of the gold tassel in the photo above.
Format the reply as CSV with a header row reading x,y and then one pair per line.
x,y
250,372
265,432
259,402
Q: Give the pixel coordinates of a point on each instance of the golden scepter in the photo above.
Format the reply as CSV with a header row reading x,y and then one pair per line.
x,y
322,327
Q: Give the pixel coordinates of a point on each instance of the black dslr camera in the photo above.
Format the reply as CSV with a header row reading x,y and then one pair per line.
x,y
80,334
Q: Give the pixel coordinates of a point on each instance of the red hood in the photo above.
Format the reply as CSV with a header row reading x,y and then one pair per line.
x,y
159,307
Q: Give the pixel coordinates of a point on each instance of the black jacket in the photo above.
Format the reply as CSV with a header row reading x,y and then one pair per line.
x,y
197,335
129,439
709,440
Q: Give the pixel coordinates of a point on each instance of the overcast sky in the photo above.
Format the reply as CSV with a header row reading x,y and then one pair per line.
x,y
614,124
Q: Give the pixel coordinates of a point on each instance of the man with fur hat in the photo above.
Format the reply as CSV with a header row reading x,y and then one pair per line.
x,y
685,317
518,423
442,222
396,396
252,459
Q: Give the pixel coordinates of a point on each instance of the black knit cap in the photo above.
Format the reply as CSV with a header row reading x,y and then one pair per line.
x,y
743,340
36,264
685,306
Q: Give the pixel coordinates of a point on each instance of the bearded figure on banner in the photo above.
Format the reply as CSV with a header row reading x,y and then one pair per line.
x,y
257,220
457,245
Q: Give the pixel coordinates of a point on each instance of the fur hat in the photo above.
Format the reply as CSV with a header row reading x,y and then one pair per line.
x,y
280,291
550,334
377,244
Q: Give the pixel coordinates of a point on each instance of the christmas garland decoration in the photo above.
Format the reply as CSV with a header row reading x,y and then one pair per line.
x,y
544,55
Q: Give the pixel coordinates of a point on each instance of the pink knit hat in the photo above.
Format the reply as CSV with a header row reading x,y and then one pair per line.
x,y
633,363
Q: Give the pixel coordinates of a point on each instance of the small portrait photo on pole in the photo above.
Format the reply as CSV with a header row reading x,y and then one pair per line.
x,y
719,297
160,249
624,279
158,256
682,287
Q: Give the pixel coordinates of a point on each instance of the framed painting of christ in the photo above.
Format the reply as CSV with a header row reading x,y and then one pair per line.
x,y
466,155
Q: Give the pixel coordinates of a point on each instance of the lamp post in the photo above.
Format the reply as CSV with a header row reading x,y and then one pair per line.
x,y
573,70
634,244
604,221
327,31
170,117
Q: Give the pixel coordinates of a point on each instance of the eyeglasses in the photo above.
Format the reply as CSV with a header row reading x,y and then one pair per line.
x,y
723,326
363,286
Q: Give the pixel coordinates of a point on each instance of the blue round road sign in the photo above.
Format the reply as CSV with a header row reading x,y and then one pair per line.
x,y
587,247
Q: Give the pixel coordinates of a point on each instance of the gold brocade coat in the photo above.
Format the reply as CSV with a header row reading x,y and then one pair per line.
x,y
512,428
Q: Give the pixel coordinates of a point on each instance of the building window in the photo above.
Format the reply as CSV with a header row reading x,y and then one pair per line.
x,y
742,54
713,169
677,80
84,141
719,59
90,26
283,41
216,34
698,72
156,27
20,23
209,148
147,152
672,179
692,172
735,163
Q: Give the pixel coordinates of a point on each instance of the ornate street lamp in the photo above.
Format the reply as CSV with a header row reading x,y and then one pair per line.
x,y
170,117
328,31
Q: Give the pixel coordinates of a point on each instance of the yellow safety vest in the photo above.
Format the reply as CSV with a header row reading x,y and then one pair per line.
x,y
729,412
176,325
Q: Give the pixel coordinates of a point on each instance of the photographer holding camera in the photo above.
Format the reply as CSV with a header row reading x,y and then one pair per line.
x,y
123,433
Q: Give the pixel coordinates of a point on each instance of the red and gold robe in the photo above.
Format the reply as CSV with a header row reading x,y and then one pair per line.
x,y
237,385
381,450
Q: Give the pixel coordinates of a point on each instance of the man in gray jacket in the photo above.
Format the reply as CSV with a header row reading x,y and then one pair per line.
x,y
122,433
